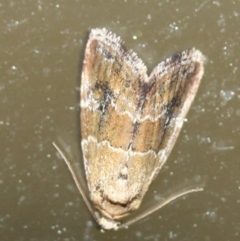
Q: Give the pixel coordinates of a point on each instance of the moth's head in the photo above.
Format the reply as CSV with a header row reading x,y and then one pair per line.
x,y
106,223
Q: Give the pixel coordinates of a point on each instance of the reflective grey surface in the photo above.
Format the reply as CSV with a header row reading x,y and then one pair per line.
x,y
42,46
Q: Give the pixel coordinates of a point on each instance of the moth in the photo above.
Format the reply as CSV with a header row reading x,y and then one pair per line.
x,y
129,123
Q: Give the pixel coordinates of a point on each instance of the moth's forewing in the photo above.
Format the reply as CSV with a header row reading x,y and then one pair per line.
x,y
109,99
172,87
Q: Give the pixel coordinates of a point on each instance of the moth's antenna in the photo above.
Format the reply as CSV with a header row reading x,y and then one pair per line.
x,y
77,182
159,205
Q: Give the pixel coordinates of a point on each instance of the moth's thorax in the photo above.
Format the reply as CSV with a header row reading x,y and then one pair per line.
x,y
114,211
114,201
116,188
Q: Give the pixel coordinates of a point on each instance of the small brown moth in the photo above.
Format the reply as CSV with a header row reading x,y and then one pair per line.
x,y
129,123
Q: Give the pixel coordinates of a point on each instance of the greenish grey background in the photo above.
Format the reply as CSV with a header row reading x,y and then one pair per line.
x,y
41,53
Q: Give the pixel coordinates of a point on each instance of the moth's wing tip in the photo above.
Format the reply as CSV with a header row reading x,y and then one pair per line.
x,y
198,56
105,35
115,42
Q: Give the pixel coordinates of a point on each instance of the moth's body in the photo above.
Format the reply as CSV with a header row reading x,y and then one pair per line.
x,y
129,121
129,124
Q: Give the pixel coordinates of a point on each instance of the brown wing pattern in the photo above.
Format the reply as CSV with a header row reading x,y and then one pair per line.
x,y
130,121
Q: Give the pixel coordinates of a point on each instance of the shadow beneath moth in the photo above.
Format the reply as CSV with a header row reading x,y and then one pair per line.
x,y
129,124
